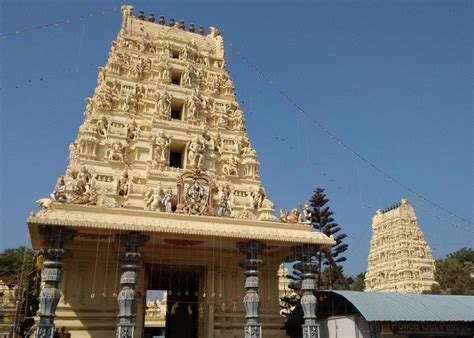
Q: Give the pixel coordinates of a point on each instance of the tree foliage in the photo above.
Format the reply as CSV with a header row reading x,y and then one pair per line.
x,y
19,272
454,274
331,276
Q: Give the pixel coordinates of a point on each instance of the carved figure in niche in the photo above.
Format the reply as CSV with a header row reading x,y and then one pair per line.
x,y
166,73
187,77
130,103
230,166
192,103
123,184
222,121
236,117
102,126
167,201
305,215
228,86
185,54
59,193
84,188
89,107
163,105
103,99
167,49
224,191
116,151
257,197
283,216
73,155
196,153
115,91
132,131
196,198
101,76
162,143
222,207
294,216
140,93
136,69
153,198
246,148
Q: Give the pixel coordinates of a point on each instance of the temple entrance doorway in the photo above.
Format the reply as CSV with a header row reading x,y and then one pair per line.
x,y
178,288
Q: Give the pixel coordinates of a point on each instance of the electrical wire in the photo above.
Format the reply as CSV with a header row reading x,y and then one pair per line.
x,y
339,141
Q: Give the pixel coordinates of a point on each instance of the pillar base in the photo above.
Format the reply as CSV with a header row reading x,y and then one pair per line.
x,y
126,331
310,330
253,331
45,332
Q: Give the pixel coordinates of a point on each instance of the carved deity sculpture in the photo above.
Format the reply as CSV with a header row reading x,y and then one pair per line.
x,y
84,191
305,215
230,166
196,153
257,197
123,184
132,131
153,198
140,93
102,126
222,207
130,103
59,193
196,198
192,103
73,153
115,92
187,77
283,215
116,151
103,98
163,105
168,200
294,216
162,143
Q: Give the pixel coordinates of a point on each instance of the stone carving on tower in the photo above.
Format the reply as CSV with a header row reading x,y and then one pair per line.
x,y
400,260
164,119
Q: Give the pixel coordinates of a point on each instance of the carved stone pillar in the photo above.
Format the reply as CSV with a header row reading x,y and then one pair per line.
x,y
253,329
127,297
51,276
308,270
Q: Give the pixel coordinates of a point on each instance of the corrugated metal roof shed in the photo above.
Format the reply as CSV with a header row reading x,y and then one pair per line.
x,y
392,306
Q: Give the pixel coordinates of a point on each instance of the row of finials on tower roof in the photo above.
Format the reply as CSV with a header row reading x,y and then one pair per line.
x,y
172,23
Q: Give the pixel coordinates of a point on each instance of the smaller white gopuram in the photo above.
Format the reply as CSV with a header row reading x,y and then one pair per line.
x,y
400,259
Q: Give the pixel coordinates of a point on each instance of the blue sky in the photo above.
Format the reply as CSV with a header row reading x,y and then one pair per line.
x,y
393,79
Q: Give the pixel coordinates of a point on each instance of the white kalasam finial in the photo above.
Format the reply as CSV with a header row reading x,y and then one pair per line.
x,y
126,14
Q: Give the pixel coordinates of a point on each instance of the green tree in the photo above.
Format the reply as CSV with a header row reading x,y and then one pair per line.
x,y
18,271
358,283
454,274
331,277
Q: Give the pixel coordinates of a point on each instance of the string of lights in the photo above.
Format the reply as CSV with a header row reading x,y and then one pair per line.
x,y
339,141
58,23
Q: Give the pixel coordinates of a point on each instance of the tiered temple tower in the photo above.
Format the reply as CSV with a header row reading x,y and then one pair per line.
x,y
162,192
400,260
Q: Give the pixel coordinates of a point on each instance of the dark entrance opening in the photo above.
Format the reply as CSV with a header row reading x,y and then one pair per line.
x,y
181,285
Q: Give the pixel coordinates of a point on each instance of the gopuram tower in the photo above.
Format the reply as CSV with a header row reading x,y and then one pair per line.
x,y
162,194
400,260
